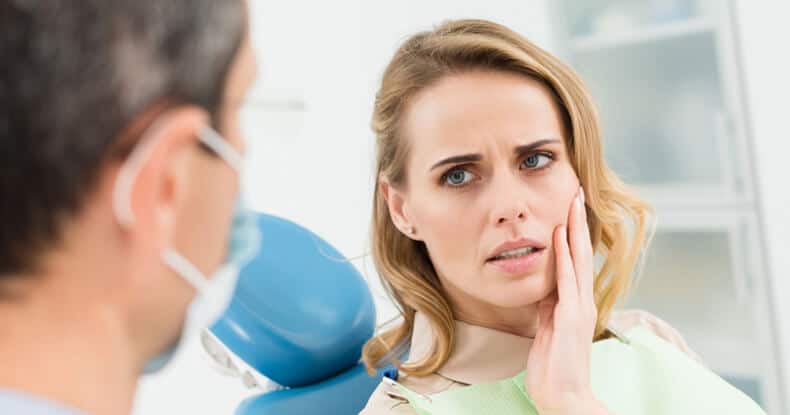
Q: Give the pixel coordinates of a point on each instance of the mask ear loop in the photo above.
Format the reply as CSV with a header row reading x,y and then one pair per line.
x,y
122,193
185,269
124,182
124,186
219,145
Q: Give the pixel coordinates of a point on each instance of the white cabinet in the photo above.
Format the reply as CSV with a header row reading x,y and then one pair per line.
x,y
666,77
704,275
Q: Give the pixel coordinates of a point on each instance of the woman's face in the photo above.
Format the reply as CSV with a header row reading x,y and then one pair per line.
x,y
488,181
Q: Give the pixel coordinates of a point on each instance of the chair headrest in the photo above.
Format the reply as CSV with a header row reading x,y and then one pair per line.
x,y
301,312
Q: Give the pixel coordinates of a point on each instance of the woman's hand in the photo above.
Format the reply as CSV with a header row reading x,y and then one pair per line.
x,y
558,367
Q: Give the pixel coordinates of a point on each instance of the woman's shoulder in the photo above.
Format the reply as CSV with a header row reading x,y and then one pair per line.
x,y
624,320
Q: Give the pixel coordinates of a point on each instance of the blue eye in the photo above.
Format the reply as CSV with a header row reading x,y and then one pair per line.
x,y
458,177
536,161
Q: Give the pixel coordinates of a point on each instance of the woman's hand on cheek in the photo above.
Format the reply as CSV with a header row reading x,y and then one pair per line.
x,y
558,367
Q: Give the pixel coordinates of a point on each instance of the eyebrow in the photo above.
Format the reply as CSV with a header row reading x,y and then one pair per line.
x,y
473,157
464,158
532,146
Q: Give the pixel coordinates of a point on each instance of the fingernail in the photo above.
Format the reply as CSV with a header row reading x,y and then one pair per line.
x,y
581,194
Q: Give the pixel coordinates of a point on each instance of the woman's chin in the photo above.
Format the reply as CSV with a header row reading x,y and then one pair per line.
x,y
524,291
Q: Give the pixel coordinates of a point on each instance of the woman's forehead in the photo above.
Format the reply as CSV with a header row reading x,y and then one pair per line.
x,y
473,112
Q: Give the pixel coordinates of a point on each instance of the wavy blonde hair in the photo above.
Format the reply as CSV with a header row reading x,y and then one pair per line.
x,y
403,264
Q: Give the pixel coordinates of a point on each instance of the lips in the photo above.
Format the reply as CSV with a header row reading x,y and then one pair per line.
x,y
518,258
515,249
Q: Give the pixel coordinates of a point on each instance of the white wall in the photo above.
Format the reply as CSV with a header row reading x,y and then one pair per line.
x,y
766,63
386,24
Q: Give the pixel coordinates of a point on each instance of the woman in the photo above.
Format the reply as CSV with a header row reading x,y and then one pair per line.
x,y
493,201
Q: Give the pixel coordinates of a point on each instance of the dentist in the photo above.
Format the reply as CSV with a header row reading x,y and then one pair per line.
x,y
120,154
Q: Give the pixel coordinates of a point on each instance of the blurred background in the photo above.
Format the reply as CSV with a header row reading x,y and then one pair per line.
x,y
693,95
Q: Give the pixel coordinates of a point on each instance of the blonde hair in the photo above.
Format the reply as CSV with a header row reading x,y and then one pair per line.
x,y
403,264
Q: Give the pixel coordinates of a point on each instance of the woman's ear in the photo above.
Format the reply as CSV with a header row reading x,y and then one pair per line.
x,y
398,208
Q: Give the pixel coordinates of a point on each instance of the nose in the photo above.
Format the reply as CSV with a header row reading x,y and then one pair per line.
x,y
511,204
512,214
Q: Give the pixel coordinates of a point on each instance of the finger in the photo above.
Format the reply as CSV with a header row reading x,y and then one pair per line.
x,y
590,251
546,311
544,334
581,247
567,288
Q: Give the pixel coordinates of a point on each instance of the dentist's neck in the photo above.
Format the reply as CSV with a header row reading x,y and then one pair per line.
x,y
59,347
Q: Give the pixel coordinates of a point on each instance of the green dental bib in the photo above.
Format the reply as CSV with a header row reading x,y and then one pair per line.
x,y
643,376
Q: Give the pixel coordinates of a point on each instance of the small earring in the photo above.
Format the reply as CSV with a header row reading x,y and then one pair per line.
x,y
410,230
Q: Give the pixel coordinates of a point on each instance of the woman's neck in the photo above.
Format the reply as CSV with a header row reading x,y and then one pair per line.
x,y
513,325
521,321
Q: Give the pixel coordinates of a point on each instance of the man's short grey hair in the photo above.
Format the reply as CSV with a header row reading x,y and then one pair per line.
x,y
74,74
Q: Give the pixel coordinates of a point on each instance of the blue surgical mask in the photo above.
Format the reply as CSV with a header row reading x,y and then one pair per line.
x,y
213,295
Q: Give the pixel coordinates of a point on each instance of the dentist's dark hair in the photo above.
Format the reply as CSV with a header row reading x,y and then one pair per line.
x,y
77,73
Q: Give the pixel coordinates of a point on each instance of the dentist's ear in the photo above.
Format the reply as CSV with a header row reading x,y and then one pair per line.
x,y
150,183
398,209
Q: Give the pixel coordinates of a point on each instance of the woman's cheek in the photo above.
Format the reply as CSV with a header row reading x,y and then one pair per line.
x,y
555,199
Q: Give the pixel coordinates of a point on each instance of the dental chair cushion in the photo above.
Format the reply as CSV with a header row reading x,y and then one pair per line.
x,y
300,314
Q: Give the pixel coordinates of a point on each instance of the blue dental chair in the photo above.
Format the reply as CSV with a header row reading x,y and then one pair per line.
x,y
300,316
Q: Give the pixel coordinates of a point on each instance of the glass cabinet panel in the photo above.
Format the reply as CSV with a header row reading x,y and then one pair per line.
x,y
660,109
655,71
697,279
